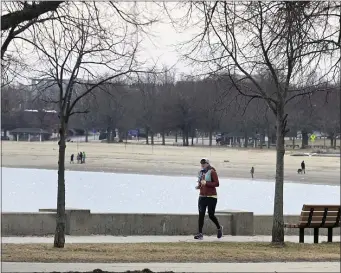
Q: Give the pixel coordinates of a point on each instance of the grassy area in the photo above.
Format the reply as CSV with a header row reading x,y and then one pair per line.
x,y
171,252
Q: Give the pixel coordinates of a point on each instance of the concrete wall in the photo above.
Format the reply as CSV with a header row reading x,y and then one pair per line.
x,y
82,222
34,224
153,224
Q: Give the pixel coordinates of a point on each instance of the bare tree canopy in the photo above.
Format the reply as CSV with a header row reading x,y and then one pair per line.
x,y
71,57
292,45
27,12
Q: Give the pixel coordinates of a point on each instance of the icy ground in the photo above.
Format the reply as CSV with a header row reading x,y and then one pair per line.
x,y
27,190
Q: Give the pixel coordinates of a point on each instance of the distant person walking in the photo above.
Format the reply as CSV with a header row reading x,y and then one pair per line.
x,y
252,171
71,159
303,166
83,157
208,181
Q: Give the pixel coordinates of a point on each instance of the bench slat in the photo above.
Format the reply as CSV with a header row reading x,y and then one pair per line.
x,y
319,213
313,225
318,218
321,207
318,224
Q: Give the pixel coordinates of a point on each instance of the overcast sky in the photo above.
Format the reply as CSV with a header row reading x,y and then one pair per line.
x,y
159,46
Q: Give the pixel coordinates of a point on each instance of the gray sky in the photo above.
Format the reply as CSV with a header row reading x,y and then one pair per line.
x,y
158,46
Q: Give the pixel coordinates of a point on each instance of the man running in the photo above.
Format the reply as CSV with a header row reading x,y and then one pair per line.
x,y
208,197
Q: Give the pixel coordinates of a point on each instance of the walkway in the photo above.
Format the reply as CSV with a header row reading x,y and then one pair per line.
x,y
176,267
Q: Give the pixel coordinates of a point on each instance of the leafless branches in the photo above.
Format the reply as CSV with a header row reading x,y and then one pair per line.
x,y
27,12
285,43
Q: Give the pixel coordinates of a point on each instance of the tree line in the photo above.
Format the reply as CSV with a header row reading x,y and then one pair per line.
x,y
186,107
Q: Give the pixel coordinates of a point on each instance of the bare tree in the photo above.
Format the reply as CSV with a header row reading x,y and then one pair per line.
x,y
185,99
22,15
27,12
328,114
115,102
164,119
77,54
213,99
149,89
12,100
287,41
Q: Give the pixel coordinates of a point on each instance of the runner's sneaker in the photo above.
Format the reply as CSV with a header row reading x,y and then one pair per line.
x,y
199,236
220,232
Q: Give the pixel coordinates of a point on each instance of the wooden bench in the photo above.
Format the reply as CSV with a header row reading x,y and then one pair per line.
x,y
316,217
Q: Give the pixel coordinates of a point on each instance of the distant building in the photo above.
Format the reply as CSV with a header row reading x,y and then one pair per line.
x,y
30,134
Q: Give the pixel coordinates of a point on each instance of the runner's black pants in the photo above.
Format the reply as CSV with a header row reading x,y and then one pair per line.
x,y
210,203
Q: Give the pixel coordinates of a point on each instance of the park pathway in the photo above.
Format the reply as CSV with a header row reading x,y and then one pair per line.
x,y
176,267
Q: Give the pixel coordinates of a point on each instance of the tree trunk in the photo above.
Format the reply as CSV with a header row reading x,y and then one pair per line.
x,y
293,143
183,138
112,134
121,136
268,133
108,134
331,141
210,136
86,135
324,142
59,236
187,137
246,140
147,136
334,142
262,139
273,138
192,136
278,223
163,138
176,136
152,137
304,140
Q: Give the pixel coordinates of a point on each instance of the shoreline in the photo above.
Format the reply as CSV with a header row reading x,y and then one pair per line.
x,y
172,161
119,171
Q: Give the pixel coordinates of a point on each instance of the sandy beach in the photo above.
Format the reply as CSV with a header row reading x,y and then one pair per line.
x,y
171,160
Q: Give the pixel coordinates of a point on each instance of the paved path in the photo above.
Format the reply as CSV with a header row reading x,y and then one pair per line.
x,y
95,239
176,267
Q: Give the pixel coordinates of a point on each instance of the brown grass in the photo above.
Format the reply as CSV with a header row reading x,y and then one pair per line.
x,y
169,160
171,252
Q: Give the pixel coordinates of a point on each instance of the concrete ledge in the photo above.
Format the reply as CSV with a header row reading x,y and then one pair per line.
x,y
23,224
82,222
242,222
153,224
77,222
